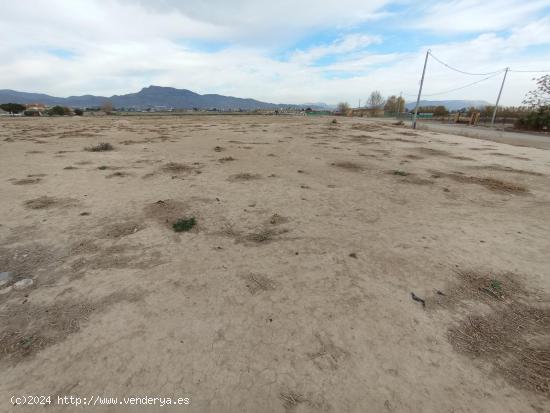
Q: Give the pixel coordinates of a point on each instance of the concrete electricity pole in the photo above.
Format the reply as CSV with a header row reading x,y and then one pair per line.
x,y
420,90
498,98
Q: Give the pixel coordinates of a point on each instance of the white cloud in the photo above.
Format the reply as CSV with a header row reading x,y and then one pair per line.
x,y
477,16
346,44
122,46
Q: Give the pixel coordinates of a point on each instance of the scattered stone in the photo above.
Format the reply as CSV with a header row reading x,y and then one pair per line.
x,y
353,255
23,284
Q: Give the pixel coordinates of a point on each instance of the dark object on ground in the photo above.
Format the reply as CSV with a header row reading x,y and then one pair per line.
x,y
417,298
101,147
399,123
353,255
184,224
334,121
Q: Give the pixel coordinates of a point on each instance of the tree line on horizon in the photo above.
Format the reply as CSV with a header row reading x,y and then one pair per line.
x,y
534,115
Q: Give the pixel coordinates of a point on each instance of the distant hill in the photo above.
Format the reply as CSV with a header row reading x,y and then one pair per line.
x,y
318,106
149,97
450,104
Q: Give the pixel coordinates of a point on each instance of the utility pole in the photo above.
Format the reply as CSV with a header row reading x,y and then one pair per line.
x,y
498,98
420,90
359,104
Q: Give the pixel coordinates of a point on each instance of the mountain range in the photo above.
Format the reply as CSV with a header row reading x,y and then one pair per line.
x,y
449,104
168,97
152,96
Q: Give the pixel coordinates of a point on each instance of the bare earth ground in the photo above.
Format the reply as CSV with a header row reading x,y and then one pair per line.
x,y
293,292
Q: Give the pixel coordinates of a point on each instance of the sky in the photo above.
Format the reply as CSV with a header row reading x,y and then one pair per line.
x,y
281,51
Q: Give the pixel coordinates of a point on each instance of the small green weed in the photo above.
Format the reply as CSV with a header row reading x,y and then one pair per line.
x,y
184,224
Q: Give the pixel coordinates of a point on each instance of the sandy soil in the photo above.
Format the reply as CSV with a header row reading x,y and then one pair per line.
x,y
293,291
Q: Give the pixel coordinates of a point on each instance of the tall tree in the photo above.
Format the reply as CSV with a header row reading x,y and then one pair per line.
x,y
540,97
12,107
375,100
343,108
107,107
394,104
391,104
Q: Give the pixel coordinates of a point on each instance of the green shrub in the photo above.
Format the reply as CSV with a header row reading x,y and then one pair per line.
x,y
184,224
56,111
12,107
538,120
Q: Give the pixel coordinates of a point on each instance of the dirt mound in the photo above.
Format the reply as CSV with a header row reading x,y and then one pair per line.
x,y
167,211
45,202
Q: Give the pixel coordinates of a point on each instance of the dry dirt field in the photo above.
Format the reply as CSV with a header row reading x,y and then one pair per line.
x,y
294,290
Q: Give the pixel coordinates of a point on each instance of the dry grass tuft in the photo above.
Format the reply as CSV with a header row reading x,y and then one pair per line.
x,y
119,174
244,176
492,184
26,181
350,166
44,202
28,328
510,336
177,168
263,236
226,159
101,147
256,283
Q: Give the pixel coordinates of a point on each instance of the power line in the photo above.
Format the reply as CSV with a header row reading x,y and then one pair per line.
x,y
530,71
461,87
462,71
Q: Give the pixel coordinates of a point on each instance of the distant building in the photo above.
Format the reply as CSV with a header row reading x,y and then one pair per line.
x,y
36,106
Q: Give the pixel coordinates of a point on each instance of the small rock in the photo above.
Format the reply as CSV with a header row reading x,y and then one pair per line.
x,y
23,284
